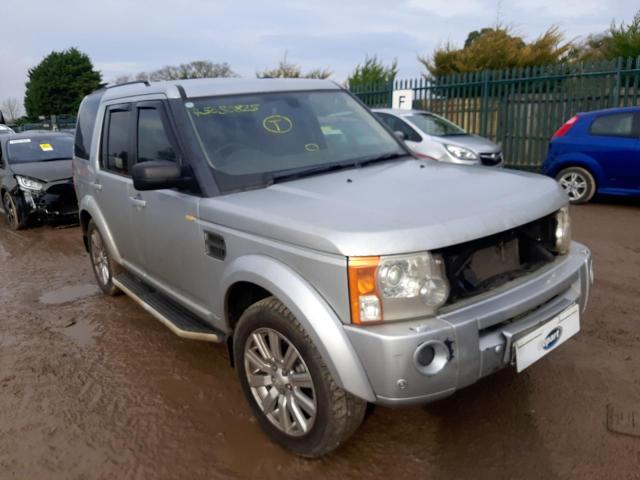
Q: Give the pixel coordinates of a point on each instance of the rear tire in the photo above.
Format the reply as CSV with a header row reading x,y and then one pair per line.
x,y
578,184
15,211
309,415
104,267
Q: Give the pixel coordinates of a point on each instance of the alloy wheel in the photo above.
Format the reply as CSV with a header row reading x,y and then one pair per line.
x,y
10,209
99,258
280,381
574,184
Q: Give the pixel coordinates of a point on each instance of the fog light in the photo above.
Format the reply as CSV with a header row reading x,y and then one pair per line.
x,y
431,357
425,355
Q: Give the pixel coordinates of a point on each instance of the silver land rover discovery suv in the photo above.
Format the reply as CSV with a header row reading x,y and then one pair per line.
x,y
280,217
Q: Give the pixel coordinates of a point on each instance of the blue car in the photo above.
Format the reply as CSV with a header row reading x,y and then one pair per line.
x,y
597,152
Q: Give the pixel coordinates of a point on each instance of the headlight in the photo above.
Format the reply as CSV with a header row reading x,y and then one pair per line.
x,y
396,287
28,184
563,230
461,152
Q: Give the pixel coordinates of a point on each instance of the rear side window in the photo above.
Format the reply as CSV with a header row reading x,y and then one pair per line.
x,y
116,145
153,141
86,123
616,125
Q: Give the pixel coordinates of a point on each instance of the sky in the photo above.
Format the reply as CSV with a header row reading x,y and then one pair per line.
x,y
128,36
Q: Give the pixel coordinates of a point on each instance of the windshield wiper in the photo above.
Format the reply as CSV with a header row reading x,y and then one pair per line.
x,y
379,158
55,159
286,176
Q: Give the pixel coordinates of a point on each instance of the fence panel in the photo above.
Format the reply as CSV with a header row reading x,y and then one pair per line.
x,y
519,108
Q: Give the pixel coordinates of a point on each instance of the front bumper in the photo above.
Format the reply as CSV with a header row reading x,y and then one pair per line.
x,y
479,334
56,200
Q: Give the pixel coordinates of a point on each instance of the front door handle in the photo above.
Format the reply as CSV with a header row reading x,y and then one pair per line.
x,y
138,202
96,186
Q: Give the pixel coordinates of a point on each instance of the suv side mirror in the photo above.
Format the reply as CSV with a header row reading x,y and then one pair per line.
x,y
400,135
157,175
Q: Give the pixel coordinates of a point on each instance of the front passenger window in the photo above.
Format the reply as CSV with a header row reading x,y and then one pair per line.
x,y
153,141
117,151
398,125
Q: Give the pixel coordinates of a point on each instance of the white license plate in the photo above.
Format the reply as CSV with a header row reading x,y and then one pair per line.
x,y
546,338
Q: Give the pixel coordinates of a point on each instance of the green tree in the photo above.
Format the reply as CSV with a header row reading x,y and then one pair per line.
x,y
497,48
372,72
286,69
619,41
58,83
625,39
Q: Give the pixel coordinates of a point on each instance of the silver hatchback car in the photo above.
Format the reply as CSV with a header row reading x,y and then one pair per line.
x,y
281,218
432,136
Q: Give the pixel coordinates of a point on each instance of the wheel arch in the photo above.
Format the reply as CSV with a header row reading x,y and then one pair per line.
x,y
90,210
582,161
251,276
85,218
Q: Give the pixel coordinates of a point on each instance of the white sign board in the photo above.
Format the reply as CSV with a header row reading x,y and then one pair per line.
x,y
403,99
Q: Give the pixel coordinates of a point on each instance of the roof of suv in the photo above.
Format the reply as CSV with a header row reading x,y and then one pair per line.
x,y
205,87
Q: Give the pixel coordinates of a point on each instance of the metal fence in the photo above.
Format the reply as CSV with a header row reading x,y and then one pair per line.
x,y
519,108
55,123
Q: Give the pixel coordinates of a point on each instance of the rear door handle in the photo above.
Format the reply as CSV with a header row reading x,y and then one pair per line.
x,y
95,186
138,202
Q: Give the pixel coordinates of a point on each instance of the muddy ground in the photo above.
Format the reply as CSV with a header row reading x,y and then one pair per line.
x,y
93,387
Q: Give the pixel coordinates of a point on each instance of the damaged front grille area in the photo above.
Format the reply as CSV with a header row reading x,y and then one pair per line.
x,y
481,265
57,200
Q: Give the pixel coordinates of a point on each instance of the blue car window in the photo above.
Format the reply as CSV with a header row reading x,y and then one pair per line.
x,y
616,125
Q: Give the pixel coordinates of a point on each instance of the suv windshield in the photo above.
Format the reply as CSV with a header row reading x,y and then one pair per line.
x,y
434,125
256,139
40,149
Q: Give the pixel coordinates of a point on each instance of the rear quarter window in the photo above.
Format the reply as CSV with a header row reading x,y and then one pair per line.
x,y
86,122
615,125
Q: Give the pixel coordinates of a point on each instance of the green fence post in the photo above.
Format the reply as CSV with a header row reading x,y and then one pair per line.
x,y
616,91
485,101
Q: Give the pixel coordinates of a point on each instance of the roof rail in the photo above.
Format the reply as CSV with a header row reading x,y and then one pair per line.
x,y
146,82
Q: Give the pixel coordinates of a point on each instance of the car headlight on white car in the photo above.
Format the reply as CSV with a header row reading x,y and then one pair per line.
x,y
27,183
461,152
563,230
396,287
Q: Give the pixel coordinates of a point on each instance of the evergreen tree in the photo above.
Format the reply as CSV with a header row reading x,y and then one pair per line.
x,y
58,84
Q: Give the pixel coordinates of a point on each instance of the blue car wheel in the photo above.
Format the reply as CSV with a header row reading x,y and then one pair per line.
x,y
578,183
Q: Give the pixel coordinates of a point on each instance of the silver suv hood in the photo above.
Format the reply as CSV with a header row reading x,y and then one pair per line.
x,y
395,207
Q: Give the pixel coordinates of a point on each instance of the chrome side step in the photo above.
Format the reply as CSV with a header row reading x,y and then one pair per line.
x,y
176,318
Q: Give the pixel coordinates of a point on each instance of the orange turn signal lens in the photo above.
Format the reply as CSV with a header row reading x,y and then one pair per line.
x,y
366,306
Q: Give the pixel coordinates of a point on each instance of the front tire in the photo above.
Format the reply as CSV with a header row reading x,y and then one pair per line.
x,y
578,184
104,267
14,211
287,384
